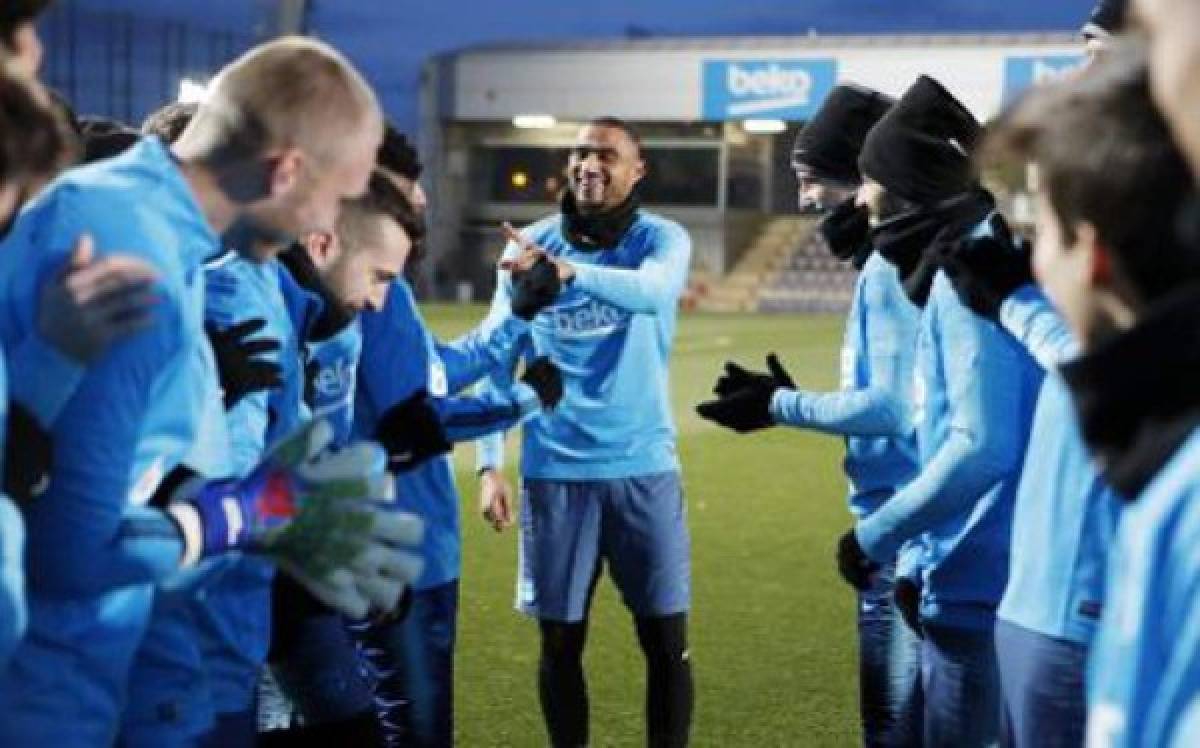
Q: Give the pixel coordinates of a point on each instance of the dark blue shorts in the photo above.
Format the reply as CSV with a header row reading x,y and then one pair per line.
x,y
637,526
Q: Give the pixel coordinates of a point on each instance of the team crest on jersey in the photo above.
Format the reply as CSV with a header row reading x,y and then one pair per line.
x,y
333,380
587,318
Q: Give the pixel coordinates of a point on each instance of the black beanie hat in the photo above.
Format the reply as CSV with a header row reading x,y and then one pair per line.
x,y
1108,18
828,146
921,150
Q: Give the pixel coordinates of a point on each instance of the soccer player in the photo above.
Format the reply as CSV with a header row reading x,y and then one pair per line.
x,y
973,395
872,409
1114,262
1065,513
97,541
415,654
600,476
34,143
212,635
1064,516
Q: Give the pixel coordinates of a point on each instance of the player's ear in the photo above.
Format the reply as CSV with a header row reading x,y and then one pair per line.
x,y
1096,260
322,247
639,170
285,166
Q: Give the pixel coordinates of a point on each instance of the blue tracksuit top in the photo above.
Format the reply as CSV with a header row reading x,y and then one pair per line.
x,y
872,410
611,332
1144,669
332,377
973,399
401,357
207,642
133,415
1065,515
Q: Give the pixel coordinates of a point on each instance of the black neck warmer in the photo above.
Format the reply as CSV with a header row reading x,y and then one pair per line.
x,y
846,232
334,315
1136,394
910,240
596,231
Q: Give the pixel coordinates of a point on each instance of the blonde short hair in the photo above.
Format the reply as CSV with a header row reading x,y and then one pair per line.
x,y
289,92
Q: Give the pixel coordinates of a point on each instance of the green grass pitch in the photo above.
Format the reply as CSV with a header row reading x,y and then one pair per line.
x,y
772,624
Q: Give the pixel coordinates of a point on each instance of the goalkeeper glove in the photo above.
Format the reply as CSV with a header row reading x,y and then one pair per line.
x,y
324,517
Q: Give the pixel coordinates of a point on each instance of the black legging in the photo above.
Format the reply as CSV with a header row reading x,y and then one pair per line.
x,y
562,686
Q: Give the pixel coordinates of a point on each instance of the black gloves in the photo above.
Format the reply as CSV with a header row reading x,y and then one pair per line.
x,y
736,378
986,270
853,563
906,596
241,370
743,401
535,289
546,380
412,432
28,455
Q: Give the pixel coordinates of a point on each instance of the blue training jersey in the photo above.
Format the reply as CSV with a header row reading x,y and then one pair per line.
x,y
400,358
1144,669
973,398
207,641
1065,514
872,409
610,332
332,371
95,550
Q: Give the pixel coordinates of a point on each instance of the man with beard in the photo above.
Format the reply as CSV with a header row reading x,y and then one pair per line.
x,y
110,526
973,394
600,475
871,411
406,372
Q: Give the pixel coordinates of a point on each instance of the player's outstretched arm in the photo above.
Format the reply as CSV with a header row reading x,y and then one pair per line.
x,y
649,288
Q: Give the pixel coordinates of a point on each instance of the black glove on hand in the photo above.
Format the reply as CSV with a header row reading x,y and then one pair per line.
x,y
546,380
906,596
535,289
28,455
986,270
241,370
744,411
736,378
854,564
412,432
743,401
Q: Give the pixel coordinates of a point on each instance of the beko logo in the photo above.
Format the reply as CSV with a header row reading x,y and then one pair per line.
x,y
786,89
